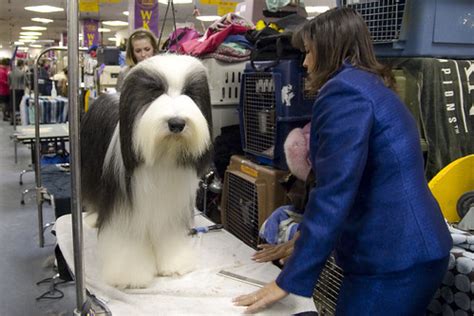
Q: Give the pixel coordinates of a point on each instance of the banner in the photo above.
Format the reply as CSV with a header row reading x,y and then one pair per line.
x,y
146,15
91,32
88,5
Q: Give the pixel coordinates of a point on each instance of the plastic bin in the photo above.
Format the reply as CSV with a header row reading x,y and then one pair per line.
x,y
441,28
224,81
273,102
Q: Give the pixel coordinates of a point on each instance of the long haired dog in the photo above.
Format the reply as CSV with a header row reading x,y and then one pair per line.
x,y
142,155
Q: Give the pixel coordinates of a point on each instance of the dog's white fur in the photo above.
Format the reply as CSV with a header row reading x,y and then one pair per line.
x,y
148,236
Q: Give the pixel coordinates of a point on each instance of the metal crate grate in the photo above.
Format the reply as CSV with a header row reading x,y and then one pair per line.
x,y
327,288
259,114
383,17
242,210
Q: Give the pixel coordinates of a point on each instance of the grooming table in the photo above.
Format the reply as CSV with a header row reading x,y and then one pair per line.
x,y
201,291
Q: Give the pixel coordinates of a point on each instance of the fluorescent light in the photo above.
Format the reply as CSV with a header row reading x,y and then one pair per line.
x,y
31,33
18,43
113,39
34,28
208,18
176,1
28,37
27,40
104,30
42,20
36,45
317,9
115,23
45,41
125,13
44,9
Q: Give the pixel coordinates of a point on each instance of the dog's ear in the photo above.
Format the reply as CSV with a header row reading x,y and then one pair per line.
x,y
197,88
141,87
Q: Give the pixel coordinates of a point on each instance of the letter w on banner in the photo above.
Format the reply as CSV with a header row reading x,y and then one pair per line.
x,y
146,15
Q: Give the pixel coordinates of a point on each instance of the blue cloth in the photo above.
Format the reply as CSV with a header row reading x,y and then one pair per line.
x,y
406,292
239,39
371,202
281,225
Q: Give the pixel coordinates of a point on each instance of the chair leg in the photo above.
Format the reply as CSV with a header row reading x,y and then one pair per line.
x,y
22,173
24,193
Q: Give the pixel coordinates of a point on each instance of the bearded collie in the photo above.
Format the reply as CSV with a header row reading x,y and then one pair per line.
x,y
142,154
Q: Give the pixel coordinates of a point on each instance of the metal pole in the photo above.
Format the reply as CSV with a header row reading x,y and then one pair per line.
x,y
74,138
14,110
37,165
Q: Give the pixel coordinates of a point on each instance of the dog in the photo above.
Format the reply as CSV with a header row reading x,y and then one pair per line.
x,y
142,153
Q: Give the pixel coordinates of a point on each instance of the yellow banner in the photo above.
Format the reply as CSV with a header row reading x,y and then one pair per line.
x,y
110,1
88,5
224,9
210,2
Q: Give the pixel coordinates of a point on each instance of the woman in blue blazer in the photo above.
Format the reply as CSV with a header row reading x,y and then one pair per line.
x,y
370,203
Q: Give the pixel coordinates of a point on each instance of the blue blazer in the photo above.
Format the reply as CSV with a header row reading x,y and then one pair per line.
x,y
371,202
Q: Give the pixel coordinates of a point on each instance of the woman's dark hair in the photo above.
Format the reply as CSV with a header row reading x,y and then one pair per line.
x,y
335,36
137,35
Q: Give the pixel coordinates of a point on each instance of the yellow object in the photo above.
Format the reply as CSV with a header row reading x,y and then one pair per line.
x,y
450,183
260,25
86,100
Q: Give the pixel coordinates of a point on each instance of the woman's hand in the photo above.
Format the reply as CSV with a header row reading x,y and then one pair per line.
x,y
276,252
260,299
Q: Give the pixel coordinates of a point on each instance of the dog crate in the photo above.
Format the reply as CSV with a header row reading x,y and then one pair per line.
x,y
441,28
250,194
224,81
327,288
273,102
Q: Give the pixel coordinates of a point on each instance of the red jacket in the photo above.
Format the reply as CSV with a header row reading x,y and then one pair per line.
x,y
4,88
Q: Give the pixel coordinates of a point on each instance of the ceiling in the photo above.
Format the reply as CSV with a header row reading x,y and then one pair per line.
x,y
13,16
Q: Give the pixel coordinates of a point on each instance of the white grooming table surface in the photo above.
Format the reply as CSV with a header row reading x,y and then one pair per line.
x,y
201,291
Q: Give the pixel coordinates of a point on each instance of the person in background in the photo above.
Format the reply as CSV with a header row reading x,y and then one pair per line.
x,y
4,88
61,79
370,203
17,83
141,45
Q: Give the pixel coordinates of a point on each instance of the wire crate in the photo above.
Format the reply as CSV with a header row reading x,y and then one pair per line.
x,y
273,102
327,288
250,194
417,28
224,81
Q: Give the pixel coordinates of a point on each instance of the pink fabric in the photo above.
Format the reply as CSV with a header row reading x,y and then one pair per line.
x,y
297,152
4,88
210,41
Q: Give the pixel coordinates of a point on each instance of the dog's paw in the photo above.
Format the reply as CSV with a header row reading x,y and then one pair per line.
x,y
123,277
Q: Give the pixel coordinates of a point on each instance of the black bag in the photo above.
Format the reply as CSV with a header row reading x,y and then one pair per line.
x,y
272,45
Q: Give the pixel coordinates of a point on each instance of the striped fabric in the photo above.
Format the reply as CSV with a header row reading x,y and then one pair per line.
x,y
53,110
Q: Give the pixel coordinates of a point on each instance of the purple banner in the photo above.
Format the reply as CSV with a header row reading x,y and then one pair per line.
x,y
146,15
91,32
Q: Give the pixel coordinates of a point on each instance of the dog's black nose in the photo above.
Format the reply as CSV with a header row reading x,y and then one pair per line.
x,y
176,124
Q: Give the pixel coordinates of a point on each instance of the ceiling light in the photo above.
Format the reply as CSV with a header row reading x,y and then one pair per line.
x,y
104,30
317,9
28,37
125,13
208,18
18,43
44,9
31,33
42,20
115,23
34,28
27,40
36,45
113,39
45,41
176,1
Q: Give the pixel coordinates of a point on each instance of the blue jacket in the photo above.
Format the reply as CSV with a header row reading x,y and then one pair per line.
x,y
371,203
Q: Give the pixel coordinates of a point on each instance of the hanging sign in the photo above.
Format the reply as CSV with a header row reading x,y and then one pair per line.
x,y
88,5
225,7
91,32
146,15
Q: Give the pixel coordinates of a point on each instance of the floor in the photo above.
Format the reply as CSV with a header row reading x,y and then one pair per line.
x,y
23,263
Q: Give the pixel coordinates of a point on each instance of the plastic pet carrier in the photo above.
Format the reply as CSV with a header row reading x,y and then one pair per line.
x,y
272,103
250,194
441,28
